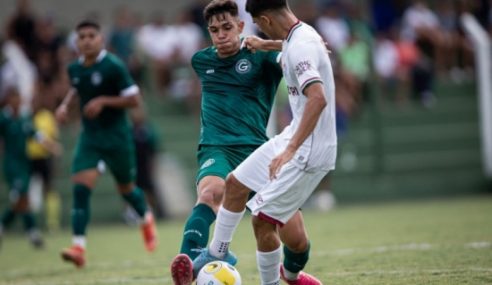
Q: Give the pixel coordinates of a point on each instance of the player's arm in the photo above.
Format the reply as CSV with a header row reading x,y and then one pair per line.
x,y
254,43
315,105
124,101
305,63
62,110
128,97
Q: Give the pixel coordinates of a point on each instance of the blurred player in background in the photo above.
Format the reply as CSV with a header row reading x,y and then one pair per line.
x,y
105,90
238,89
16,129
41,160
284,171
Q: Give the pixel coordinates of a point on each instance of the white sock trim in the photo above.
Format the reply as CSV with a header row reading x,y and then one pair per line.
x,y
79,241
225,226
269,266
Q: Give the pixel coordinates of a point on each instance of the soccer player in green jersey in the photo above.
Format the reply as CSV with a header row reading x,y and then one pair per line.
x,y
238,89
105,90
15,130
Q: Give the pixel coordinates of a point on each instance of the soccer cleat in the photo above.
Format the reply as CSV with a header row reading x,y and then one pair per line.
x,y
149,232
182,270
302,279
205,257
75,255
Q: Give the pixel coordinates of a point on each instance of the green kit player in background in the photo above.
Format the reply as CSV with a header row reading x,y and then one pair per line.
x,y
105,90
16,129
238,90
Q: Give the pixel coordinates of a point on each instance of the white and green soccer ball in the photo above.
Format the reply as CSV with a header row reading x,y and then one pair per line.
x,y
218,273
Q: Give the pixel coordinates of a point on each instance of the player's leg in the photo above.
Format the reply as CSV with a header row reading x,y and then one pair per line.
x,y
122,164
214,167
296,251
51,197
250,175
84,177
269,252
197,227
18,181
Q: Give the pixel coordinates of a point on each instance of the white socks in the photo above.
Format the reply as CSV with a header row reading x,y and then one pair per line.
x,y
225,226
269,266
79,241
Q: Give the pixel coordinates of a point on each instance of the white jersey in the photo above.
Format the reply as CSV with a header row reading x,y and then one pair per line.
x,y
305,60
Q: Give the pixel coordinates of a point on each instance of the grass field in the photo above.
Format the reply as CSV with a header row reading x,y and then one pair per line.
x,y
433,242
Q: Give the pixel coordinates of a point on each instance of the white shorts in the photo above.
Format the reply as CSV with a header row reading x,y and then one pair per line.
x,y
279,199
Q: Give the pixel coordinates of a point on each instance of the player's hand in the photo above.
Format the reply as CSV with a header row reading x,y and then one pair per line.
x,y
253,43
61,114
279,161
93,108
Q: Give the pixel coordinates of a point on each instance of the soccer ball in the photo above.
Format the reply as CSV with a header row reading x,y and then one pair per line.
x,y
218,273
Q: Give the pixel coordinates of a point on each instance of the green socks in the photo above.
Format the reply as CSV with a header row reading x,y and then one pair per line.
x,y
28,220
80,209
8,217
136,199
197,229
295,262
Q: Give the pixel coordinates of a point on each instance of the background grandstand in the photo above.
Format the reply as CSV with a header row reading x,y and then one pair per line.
x,y
408,124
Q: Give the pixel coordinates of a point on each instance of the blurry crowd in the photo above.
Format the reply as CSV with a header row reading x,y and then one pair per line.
x,y
404,45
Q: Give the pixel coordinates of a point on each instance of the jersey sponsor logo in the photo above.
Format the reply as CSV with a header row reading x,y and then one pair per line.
x,y
293,90
243,66
96,78
302,67
210,71
207,163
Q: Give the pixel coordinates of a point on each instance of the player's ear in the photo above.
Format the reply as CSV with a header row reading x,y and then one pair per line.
x,y
240,25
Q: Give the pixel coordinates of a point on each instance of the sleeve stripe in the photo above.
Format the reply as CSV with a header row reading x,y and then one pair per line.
x,y
131,90
309,81
279,57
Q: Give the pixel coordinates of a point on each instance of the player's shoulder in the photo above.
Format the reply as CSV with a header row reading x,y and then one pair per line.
x,y
113,60
305,35
204,54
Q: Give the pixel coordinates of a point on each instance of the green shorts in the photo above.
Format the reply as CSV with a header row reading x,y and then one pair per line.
x,y
120,159
18,176
221,160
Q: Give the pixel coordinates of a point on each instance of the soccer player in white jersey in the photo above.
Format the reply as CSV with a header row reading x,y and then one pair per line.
x,y
285,170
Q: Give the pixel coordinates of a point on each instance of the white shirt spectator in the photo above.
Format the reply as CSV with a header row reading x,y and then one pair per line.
x,y
334,30
418,16
385,58
158,41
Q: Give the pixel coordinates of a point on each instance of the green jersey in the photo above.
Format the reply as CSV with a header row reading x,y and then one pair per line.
x,y
237,95
107,77
15,130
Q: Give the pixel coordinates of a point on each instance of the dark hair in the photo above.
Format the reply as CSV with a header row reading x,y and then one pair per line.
x,y
88,24
217,7
256,7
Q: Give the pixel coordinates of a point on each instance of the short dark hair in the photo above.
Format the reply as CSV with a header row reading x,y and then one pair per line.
x,y
217,7
256,7
88,24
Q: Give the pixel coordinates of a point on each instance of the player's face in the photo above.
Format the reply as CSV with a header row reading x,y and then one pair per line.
x,y
225,30
89,41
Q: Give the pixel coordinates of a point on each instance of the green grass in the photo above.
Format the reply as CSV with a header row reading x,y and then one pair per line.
x,y
432,242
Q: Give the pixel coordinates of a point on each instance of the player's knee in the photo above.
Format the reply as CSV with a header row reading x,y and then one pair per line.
x,y
125,188
211,196
297,245
235,190
265,233
22,203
